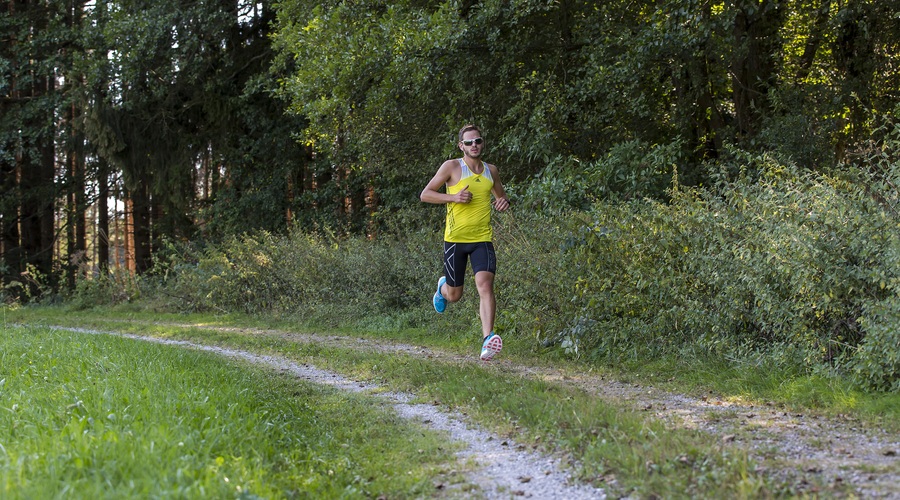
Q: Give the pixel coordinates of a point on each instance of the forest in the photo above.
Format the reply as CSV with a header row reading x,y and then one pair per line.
x,y
129,126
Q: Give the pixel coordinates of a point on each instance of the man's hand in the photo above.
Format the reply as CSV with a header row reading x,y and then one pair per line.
x,y
501,204
463,196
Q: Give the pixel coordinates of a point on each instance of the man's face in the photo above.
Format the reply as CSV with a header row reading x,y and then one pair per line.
x,y
472,144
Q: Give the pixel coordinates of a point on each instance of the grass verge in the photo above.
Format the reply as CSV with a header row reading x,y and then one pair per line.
x,y
626,452
103,416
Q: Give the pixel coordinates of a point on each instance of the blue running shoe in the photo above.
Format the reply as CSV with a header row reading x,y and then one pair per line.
x,y
492,346
440,303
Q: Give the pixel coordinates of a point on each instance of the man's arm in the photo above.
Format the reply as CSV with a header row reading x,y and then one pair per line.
x,y
432,194
501,201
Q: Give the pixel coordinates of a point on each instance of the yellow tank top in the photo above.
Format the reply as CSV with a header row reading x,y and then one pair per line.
x,y
470,222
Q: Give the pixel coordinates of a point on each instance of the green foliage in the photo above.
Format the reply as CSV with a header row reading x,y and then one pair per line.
x,y
630,170
31,285
776,261
558,187
877,361
635,170
534,284
600,84
116,287
261,272
795,133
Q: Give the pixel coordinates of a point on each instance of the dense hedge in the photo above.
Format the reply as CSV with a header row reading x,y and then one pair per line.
x,y
793,266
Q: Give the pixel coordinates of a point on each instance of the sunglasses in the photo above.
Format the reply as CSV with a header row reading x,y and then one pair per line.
x,y
469,142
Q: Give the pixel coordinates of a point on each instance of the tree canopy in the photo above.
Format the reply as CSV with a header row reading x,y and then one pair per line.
x,y
576,78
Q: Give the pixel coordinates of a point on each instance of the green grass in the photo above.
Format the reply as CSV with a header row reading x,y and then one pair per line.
x,y
607,442
85,416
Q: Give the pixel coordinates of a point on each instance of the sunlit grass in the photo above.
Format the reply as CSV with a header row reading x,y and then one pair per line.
x,y
736,381
609,446
619,449
85,415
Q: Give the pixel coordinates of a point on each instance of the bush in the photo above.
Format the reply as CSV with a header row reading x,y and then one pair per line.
x,y
776,260
116,287
635,170
534,286
261,273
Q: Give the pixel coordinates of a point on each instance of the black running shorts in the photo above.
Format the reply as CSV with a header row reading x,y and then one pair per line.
x,y
457,255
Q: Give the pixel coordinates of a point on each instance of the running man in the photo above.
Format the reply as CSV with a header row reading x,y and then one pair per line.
x,y
468,236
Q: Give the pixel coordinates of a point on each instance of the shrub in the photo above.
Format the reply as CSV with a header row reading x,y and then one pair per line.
x,y
116,287
634,170
293,274
776,260
534,284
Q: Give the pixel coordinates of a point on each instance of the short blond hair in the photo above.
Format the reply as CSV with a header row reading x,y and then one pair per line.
x,y
468,128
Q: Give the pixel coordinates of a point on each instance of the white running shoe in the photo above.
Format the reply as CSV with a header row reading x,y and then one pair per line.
x,y
492,346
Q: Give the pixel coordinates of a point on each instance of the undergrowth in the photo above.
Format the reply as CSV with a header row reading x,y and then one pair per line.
x,y
772,265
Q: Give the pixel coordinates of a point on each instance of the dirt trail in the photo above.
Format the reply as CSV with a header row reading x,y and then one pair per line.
x,y
804,449
503,468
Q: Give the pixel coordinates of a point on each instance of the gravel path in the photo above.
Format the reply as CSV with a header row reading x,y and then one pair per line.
x,y
804,449
505,469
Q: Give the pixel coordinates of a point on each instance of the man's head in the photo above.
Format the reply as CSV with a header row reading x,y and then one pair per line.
x,y
470,141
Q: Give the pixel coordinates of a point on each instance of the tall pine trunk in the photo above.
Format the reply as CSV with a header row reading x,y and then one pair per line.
x,y
36,208
102,235
76,232
139,205
28,208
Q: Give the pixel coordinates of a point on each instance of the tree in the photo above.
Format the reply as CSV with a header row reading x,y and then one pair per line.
x,y
74,144
178,103
27,136
387,85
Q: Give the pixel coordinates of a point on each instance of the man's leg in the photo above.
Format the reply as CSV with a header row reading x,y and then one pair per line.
x,y
487,308
455,260
446,294
491,343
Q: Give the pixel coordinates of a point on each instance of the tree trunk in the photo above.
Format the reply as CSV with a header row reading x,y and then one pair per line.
x,y
699,113
855,59
140,228
28,220
756,41
102,245
814,40
76,232
37,193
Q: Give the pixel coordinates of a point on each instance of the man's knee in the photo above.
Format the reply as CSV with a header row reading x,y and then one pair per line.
x,y
452,293
484,281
